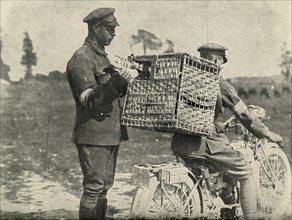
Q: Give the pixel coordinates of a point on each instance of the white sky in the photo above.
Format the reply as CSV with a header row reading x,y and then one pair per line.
x,y
252,30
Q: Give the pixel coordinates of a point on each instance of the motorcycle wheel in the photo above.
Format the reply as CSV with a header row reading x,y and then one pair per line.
x,y
274,183
174,202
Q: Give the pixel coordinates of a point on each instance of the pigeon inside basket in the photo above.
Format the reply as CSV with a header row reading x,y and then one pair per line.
x,y
173,93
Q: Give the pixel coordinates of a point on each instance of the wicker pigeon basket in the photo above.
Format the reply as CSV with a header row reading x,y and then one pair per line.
x,y
174,93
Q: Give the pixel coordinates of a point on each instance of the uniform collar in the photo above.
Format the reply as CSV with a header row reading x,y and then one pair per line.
x,y
94,46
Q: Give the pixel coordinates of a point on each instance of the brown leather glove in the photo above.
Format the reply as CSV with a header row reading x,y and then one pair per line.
x,y
118,81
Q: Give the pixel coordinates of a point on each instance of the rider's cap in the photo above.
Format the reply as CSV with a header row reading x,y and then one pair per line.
x,y
103,16
213,48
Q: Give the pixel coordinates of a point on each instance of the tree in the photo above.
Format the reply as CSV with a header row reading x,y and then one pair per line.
x,y
170,46
149,40
29,58
286,62
4,69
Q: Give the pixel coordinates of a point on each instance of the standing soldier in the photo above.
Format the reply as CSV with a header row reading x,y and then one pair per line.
x,y
97,131
216,148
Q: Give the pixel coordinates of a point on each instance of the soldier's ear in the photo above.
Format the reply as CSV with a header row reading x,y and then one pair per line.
x,y
96,27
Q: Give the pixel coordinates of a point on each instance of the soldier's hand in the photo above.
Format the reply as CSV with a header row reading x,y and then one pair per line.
x,y
129,75
117,80
120,79
276,138
220,127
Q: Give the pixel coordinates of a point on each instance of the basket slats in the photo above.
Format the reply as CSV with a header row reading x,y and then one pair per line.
x,y
179,96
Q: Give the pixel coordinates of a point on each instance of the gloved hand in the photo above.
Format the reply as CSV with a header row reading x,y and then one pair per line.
x,y
276,138
117,80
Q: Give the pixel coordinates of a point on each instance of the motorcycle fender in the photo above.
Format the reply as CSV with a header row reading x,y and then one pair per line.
x,y
270,145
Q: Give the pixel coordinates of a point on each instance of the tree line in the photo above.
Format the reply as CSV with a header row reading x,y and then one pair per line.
x,y
148,40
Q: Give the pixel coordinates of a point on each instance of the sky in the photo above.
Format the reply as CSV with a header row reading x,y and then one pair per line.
x,y
253,31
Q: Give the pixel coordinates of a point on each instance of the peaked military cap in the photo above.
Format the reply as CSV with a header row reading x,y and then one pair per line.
x,y
213,48
103,16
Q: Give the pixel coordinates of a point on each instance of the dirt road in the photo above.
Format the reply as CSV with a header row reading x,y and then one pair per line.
x,y
28,193
37,197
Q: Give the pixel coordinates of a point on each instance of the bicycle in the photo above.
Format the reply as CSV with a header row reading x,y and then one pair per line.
x,y
171,190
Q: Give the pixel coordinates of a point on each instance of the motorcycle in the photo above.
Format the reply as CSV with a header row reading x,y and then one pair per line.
x,y
174,191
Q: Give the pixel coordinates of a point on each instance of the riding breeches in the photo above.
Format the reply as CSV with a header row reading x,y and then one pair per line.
x,y
98,165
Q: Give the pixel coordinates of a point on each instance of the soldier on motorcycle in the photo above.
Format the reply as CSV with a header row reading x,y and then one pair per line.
x,y
216,148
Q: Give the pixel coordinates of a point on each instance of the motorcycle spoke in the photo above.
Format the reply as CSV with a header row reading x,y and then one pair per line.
x,y
282,179
280,172
174,201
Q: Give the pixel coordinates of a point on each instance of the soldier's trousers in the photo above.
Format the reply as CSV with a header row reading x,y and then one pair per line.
x,y
98,165
232,162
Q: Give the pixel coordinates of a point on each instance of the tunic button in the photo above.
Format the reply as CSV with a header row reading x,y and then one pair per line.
x,y
101,113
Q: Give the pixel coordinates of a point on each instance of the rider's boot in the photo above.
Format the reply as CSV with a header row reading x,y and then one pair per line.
x,y
227,195
248,198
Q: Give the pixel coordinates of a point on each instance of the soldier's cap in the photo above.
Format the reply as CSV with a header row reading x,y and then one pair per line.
x,y
103,16
214,48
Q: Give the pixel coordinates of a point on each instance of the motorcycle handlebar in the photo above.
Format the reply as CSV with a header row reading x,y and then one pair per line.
x,y
230,122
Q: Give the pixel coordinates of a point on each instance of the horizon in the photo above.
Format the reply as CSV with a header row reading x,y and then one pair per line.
x,y
254,32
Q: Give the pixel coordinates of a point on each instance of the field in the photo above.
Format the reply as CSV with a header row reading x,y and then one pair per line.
x,y
36,125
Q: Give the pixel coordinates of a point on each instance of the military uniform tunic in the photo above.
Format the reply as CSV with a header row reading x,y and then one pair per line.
x,y
97,131
98,124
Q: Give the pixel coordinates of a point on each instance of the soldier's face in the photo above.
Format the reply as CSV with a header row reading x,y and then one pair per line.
x,y
217,59
105,35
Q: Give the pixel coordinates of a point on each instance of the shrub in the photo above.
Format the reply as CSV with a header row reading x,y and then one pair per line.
x,y
252,91
264,93
243,93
